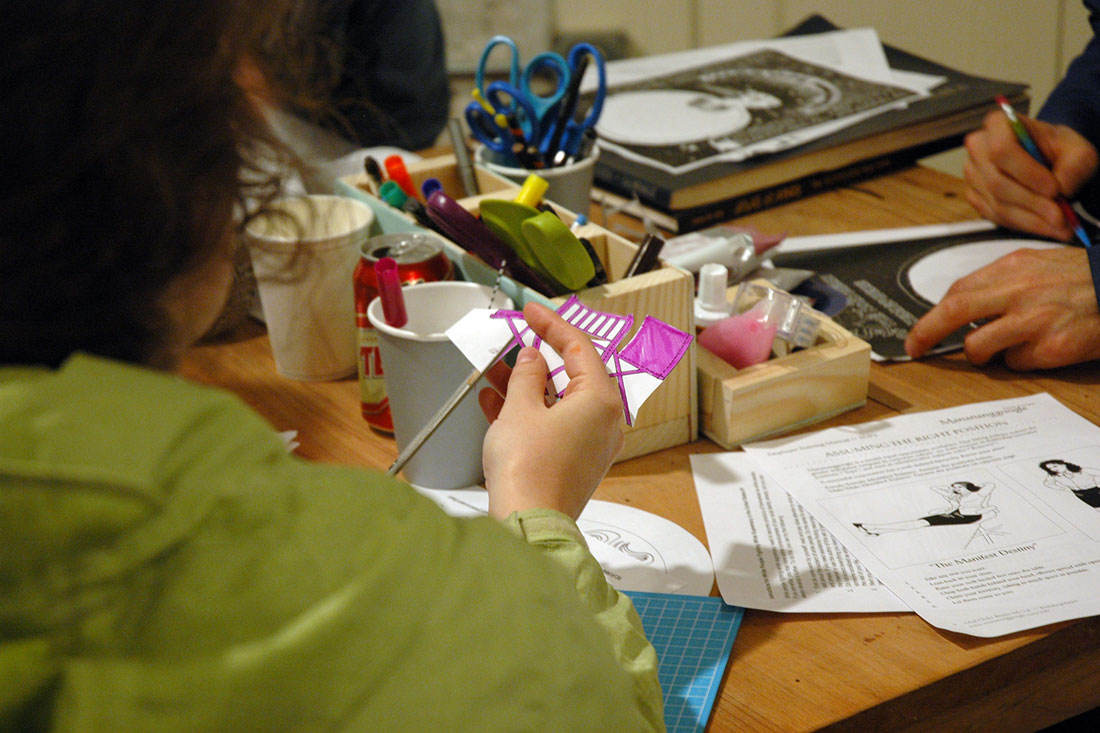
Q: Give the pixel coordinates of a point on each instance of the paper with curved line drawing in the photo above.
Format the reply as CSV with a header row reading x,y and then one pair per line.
x,y
637,550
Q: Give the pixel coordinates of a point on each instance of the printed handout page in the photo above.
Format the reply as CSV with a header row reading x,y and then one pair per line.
x,y
769,553
984,519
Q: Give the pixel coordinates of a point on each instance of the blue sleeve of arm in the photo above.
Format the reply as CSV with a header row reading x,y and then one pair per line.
x,y
1075,102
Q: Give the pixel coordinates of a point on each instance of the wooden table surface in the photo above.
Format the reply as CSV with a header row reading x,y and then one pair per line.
x,y
791,672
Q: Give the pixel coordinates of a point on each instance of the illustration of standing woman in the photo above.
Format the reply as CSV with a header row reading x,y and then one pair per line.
x,y
1066,476
967,503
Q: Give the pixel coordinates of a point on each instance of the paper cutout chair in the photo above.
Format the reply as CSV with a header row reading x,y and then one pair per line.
x,y
641,366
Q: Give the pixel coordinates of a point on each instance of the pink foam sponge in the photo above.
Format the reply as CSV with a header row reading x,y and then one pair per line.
x,y
739,340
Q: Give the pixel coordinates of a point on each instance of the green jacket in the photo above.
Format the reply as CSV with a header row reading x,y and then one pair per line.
x,y
166,565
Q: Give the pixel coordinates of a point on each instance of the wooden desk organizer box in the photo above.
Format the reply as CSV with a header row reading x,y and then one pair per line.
x,y
670,416
786,392
734,406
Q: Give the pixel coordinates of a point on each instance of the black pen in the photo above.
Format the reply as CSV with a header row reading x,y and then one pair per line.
x,y
568,108
374,171
600,278
645,259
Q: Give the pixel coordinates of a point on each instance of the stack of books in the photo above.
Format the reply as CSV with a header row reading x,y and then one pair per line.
x,y
734,147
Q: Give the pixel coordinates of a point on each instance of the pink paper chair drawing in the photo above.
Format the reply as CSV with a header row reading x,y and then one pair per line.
x,y
639,368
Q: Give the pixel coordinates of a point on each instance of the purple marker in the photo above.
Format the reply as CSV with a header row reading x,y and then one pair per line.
x,y
465,230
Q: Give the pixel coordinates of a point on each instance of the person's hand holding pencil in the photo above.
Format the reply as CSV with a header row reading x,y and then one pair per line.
x,y
1012,187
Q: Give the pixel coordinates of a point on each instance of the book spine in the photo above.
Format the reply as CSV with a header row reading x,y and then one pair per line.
x,y
749,203
624,183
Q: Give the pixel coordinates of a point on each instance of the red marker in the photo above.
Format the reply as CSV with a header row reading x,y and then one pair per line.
x,y
389,290
395,168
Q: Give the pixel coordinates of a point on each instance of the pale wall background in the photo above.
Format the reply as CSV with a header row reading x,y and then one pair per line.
x,y
1030,41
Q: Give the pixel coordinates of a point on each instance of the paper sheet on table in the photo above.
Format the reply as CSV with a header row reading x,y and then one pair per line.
x,y
953,511
637,550
769,553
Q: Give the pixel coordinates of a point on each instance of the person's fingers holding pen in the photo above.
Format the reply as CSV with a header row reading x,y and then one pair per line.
x,y
1073,159
553,456
1006,203
1006,185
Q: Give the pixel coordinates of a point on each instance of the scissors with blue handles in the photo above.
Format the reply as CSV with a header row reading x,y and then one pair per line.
x,y
503,131
513,62
535,115
486,130
565,134
504,99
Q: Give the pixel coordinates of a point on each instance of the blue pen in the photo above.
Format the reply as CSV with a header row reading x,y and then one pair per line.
x,y
430,186
1033,150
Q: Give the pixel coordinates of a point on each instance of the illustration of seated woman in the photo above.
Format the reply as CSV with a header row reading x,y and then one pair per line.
x,y
1066,476
967,503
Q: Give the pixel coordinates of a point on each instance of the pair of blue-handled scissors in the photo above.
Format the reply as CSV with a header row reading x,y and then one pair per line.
x,y
532,108
545,68
486,130
497,126
565,134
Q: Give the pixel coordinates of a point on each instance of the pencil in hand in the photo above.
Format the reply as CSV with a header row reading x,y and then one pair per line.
x,y
1033,150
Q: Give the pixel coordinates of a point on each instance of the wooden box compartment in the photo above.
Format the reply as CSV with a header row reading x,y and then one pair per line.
x,y
670,416
786,392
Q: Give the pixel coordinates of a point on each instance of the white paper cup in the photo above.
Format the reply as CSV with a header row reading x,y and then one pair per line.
x,y
570,185
423,369
304,260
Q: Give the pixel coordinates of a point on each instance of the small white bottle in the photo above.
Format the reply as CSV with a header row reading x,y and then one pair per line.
x,y
711,305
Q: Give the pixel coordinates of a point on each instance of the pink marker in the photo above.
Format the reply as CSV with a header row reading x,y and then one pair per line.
x,y
389,290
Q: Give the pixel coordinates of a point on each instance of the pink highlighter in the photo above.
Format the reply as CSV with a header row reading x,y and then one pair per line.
x,y
389,290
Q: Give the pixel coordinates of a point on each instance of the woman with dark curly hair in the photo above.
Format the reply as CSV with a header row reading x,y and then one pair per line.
x,y
164,563
1081,482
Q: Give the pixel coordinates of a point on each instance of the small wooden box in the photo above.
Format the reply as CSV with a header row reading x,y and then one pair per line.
x,y
670,416
784,393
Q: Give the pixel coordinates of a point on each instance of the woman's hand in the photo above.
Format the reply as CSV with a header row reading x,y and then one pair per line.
x,y
549,456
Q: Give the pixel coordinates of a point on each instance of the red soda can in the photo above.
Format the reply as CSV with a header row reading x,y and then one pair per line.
x,y
419,258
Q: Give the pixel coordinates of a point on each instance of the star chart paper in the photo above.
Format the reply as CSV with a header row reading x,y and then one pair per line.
x,y
482,335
